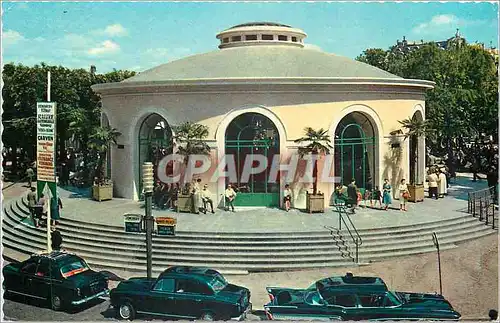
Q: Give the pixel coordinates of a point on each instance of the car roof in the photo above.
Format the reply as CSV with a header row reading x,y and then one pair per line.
x,y
187,271
354,283
55,255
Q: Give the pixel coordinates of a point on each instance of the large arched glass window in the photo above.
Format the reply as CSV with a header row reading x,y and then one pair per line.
x,y
155,142
355,144
253,134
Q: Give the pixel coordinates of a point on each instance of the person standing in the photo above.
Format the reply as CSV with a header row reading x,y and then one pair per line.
x,y
377,197
56,239
30,174
32,202
42,206
404,194
443,187
197,196
433,184
352,194
206,197
386,197
55,210
230,195
287,197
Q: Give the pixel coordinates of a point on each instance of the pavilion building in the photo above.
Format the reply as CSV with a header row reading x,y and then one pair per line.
x,y
256,94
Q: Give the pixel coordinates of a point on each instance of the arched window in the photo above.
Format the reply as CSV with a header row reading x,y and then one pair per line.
x,y
253,134
155,142
355,144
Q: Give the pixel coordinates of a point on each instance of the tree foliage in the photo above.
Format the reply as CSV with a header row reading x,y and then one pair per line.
x,y
190,138
78,106
464,101
317,142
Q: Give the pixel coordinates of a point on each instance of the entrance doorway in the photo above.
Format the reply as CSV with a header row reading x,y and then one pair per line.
x,y
355,143
253,134
155,142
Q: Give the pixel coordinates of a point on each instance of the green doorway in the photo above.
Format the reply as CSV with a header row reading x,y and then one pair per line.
x,y
355,145
251,134
155,142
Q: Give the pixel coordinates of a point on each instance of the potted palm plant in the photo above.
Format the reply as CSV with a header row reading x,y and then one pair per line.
x,y
415,128
316,143
190,139
99,143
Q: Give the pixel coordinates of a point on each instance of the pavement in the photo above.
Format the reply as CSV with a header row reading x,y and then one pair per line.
x,y
78,205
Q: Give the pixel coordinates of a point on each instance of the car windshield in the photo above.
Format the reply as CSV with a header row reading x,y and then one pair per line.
x,y
396,298
218,283
73,266
314,298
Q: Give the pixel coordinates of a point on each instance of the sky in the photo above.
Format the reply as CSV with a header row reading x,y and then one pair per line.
x,y
140,35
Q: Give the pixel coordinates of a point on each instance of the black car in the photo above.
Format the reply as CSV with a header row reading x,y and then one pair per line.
x,y
182,292
61,278
355,298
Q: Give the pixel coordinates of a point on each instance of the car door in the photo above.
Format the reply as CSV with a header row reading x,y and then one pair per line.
x,y
161,299
342,306
371,306
192,297
41,282
28,274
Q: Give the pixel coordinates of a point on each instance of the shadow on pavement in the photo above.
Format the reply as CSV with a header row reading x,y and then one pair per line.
x,y
45,304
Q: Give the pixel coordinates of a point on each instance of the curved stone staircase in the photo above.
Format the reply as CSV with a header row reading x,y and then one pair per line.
x,y
110,248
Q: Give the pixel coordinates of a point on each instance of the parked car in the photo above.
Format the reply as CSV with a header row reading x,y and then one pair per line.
x,y
355,298
184,293
61,278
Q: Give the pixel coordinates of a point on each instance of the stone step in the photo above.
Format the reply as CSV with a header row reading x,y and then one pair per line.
x,y
327,242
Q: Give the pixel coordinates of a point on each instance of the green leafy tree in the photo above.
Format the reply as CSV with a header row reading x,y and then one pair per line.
x,y
316,142
376,57
190,138
99,143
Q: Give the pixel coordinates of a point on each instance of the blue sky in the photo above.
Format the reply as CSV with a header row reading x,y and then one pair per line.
x,y
138,35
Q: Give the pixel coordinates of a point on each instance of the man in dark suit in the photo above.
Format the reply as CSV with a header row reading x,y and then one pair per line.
x,y
352,194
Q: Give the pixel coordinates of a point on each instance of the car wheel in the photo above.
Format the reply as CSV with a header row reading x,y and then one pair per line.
x,y
126,311
208,316
56,302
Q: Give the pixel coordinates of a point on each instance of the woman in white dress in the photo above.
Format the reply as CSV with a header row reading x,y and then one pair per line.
x,y
404,194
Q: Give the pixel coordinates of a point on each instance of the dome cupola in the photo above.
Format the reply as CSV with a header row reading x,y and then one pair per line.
x,y
261,33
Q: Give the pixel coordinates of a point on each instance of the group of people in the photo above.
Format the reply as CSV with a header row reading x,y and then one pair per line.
x,y
39,208
438,182
354,196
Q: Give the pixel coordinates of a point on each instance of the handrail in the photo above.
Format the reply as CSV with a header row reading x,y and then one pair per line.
x,y
356,239
480,202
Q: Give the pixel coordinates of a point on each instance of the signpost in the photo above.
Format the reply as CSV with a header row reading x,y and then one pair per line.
x,y
45,154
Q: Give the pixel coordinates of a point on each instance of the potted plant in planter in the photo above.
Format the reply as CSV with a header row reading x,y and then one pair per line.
x,y
415,128
190,139
99,143
317,142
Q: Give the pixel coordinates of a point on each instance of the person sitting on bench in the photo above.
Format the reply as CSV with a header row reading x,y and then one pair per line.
x,y
206,197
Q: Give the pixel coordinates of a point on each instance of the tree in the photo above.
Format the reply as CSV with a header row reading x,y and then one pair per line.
x,y
317,143
190,138
415,128
99,143
376,57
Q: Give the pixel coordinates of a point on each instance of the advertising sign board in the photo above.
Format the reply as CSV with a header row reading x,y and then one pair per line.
x,y
46,145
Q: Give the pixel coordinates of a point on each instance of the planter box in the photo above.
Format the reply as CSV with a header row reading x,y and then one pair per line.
x,y
315,203
185,203
416,193
102,192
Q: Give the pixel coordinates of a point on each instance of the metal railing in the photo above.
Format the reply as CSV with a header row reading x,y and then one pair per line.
x,y
353,232
482,204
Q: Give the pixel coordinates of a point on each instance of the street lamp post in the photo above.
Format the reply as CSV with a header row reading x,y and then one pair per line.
x,y
147,182
436,243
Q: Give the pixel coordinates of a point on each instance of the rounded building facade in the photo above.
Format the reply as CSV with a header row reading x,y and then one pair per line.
x,y
256,94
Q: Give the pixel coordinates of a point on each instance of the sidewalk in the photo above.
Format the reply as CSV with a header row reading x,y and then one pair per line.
x,y
78,205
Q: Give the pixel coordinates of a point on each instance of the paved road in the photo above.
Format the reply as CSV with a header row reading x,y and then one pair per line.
x,y
19,309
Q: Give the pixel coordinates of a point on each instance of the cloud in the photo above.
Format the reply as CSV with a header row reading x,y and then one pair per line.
x,y
157,52
106,47
313,47
445,22
11,37
116,30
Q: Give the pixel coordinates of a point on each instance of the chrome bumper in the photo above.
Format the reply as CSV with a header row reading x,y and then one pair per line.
x,y
85,300
244,314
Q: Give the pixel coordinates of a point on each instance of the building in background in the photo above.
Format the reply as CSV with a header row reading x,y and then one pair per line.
x,y
256,94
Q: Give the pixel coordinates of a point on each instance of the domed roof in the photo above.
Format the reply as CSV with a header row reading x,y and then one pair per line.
x,y
264,61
